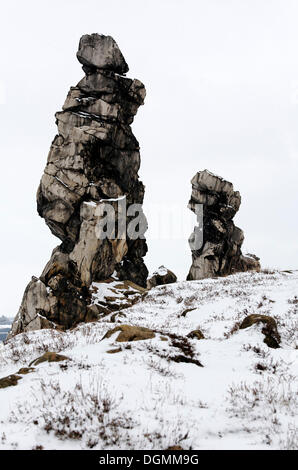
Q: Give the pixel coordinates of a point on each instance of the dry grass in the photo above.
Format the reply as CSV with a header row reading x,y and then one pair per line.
x,y
268,407
90,417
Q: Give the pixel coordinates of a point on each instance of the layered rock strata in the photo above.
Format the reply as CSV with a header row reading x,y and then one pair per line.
x,y
216,242
93,160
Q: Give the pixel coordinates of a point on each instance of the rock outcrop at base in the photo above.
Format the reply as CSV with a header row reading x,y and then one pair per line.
x,y
93,160
216,243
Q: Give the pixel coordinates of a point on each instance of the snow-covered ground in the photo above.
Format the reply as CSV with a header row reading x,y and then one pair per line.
x,y
244,396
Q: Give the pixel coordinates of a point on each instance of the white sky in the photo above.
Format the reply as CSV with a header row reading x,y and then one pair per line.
x,y
222,94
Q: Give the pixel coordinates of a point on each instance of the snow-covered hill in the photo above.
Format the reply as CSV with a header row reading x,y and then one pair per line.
x,y
154,393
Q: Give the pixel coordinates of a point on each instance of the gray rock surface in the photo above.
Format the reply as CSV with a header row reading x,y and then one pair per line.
x,y
220,253
94,158
102,52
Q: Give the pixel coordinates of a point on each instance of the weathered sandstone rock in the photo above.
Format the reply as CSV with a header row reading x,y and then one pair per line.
x,y
26,370
220,252
196,334
102,52
93,161
161,276
269,328
130,333
9,381
49,357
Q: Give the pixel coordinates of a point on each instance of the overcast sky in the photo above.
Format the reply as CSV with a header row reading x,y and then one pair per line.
x,y
222,94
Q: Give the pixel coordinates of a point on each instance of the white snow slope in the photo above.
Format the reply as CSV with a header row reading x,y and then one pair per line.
x,y
244,396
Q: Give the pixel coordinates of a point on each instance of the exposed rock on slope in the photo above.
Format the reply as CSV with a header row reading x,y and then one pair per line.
x,y
113,296
220,253
130,333
94,159
48,357
269,328
9,381
161,276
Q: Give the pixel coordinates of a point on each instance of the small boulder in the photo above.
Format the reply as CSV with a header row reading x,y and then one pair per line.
x,y
49,357
129,287
196,334
272,337
160,277
114,351
101,52
25,370
130,333
9,381
111,296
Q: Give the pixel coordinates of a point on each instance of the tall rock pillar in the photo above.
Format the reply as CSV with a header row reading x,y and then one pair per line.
x,y
220,252
94,159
